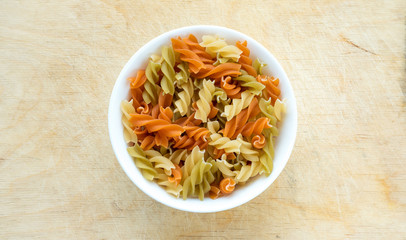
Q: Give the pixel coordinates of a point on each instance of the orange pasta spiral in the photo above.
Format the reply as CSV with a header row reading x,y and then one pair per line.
x,y
258,141
214,192
219,71
235,126
143,108
218,153
191,52
255,127
177,175
164,100
136,87
196,132
245,60
227,185
191,120
230,87
195,136
271,87
161,127
194,45
138,80
189,143
148,142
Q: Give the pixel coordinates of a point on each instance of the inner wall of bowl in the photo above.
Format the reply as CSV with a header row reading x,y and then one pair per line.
x,y
244,193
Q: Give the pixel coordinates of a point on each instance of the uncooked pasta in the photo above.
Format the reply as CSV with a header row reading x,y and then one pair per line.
x,y
202,117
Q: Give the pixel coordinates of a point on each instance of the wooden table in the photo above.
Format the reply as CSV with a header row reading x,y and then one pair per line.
x,y
346,177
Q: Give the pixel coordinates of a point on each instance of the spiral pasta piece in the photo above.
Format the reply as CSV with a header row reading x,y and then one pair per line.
x,y
137,87
182,76
229,146
156,125
267,155
185,142
164,100
219,71
271,87
136,96
143,108
195,136
255,127
250,83
220,96
258,141
248,171
214,192
170,186
258,66
227,185
160,161
177,175
203,104
142,162
232,89
247,150
245,60
191,52
127,109
186,55
235,126
196,132
280,108
193,44
225,168
191,120
268,110
148,142
237,105
185,97
139,80
195,172
151,89
216,46
167,68
178,155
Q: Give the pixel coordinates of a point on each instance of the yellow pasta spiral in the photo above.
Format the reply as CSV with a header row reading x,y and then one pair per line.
x,y
142,162
216,46
150,94
167,68
206,96
237,105
185,97
229,146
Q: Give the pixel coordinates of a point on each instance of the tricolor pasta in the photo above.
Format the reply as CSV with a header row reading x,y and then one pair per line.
x,y
202,117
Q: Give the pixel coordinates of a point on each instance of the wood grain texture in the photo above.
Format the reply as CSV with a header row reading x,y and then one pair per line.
x,y
59,178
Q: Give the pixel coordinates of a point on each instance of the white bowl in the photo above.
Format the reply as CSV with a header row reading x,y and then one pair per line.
x,y
243,194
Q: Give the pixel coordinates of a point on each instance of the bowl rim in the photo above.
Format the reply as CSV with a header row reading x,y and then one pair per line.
x,y
187,30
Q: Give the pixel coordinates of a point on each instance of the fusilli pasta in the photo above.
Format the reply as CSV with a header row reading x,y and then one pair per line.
x,y
202,117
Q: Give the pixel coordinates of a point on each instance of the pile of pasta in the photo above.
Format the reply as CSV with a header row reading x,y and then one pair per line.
x,y
202,117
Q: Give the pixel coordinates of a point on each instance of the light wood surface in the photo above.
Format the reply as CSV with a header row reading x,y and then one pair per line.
x,y
59,178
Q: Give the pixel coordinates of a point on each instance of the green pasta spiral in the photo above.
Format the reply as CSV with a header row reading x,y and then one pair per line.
x,y
142,162
151,91
250,83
